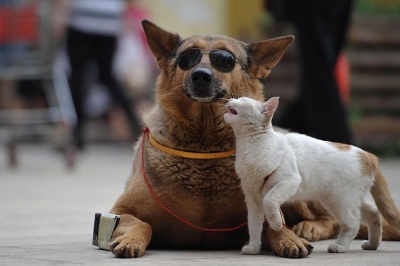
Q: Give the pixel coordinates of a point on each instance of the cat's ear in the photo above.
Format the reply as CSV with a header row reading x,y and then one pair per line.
x,y
271,105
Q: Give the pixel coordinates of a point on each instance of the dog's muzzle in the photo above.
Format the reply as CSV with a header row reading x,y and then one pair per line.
x,y
202,86
202,78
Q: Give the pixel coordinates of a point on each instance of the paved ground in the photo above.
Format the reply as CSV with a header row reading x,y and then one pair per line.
x,y
47,215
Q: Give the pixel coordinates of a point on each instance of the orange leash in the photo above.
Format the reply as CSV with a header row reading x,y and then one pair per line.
x,y
190,155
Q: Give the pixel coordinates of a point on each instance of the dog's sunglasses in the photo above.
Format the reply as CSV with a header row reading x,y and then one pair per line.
x,y
222,60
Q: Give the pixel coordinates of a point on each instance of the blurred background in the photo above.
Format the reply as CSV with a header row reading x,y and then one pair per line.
x,y
38,105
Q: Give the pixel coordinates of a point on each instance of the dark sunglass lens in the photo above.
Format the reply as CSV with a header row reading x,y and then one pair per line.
x,y
224,61
189,58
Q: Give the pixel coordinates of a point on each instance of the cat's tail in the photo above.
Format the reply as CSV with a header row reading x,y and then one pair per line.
x,y
384,201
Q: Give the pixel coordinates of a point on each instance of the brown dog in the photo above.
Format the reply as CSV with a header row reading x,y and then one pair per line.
x,y
188,116
171,201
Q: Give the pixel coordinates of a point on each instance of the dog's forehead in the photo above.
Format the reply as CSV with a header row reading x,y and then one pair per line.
x,y
213,42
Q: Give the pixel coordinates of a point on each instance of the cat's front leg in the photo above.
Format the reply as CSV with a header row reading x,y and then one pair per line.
x,y
285,187
255,219
273,214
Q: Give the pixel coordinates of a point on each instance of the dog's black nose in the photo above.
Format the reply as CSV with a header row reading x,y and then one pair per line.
x,y
202,76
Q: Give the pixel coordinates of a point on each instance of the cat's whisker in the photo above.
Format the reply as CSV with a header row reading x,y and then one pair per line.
x,y
219,114
223,109
233,95
223,100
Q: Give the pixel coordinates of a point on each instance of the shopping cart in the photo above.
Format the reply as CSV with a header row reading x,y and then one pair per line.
x,y
27,52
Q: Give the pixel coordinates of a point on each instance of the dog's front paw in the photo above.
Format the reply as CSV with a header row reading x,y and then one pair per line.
x,y
251,249
130,238
126,247
286,244
307,230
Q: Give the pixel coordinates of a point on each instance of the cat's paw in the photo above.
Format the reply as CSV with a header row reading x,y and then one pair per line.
x,y
336,248
275,222
276,225
366,245
251,249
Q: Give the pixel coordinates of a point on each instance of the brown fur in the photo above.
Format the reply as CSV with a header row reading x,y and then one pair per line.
x,y
369,163
341,146
385,203
206,193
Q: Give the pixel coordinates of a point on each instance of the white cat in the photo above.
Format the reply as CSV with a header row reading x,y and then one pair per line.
x,y
275,168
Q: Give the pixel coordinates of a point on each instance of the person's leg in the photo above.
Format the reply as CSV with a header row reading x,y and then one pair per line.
x,y
342,14
104,57
323,110
78,51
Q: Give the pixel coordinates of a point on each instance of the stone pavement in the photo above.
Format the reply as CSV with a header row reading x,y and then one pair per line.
x,y
47,215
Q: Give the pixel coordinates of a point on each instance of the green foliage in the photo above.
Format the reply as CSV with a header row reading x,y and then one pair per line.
x,y
386,8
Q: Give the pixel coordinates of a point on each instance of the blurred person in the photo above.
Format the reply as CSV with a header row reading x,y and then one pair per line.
x,y
93,27
134,64
320,33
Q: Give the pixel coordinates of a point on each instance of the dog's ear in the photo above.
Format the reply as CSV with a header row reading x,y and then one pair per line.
x,y
264,55
161,42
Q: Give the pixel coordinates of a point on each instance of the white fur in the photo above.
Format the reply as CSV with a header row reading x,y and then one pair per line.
x,y
303,168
